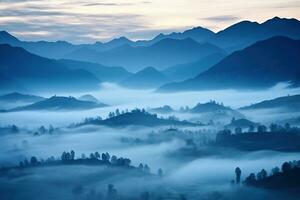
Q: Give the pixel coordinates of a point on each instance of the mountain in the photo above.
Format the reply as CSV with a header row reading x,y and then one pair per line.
x,y
18,97
245,33
103,73
289,103
37,73
198,34
56,103
258,66
160,55
190,70
136,118
145,79
213,112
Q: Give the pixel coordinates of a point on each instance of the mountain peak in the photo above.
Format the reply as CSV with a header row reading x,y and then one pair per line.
x,y
5,37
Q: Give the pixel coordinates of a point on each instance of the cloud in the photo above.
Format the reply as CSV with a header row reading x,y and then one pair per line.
x,y
222,18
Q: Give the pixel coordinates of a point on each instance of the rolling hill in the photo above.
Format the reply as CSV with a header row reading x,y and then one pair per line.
x,y
57,103
289,103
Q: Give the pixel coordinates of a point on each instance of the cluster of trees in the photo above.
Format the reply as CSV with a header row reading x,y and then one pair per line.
x,y
42,130
9,129
93,158
273,128
286,175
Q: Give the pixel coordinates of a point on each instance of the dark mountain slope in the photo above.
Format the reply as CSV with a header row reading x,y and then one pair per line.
x,y
291,103
261,65
36,73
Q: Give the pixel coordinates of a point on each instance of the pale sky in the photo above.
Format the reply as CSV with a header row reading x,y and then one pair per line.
x,y
82,21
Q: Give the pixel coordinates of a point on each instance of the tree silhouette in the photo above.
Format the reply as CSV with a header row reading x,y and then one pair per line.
x,y
238,173
286,167
33,161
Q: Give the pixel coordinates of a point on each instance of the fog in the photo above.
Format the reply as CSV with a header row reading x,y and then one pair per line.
x,y
192,175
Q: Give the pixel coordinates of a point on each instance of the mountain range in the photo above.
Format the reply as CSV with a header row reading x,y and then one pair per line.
x,y
260,65
37,73
160,55
196,58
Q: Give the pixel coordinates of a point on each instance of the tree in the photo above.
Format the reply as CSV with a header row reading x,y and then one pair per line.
x,y
273,128
33,161
146,169
92,156
275,170
238,173
113,159
238,130
141,167
261,129
251,128
117,112
111,192
51,129
286,167
250,179
104,157
97,155
14,129
287,126
264,174
42,130
72,155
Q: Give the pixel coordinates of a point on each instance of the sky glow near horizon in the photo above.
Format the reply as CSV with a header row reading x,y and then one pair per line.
x,y
87,21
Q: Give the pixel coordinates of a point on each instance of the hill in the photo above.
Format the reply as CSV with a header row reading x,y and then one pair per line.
x,y
136,118
259,66
160,55
289,103
241,123
56,103
162,110
37,73
145,79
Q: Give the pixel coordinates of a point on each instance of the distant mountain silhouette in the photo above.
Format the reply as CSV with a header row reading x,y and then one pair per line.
x,y
35,73
103,73
235,37
57,103
190,70
245,33
88,97
161,55
289,103
198,34
136,118
18,97
146,78
162,110
261,65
